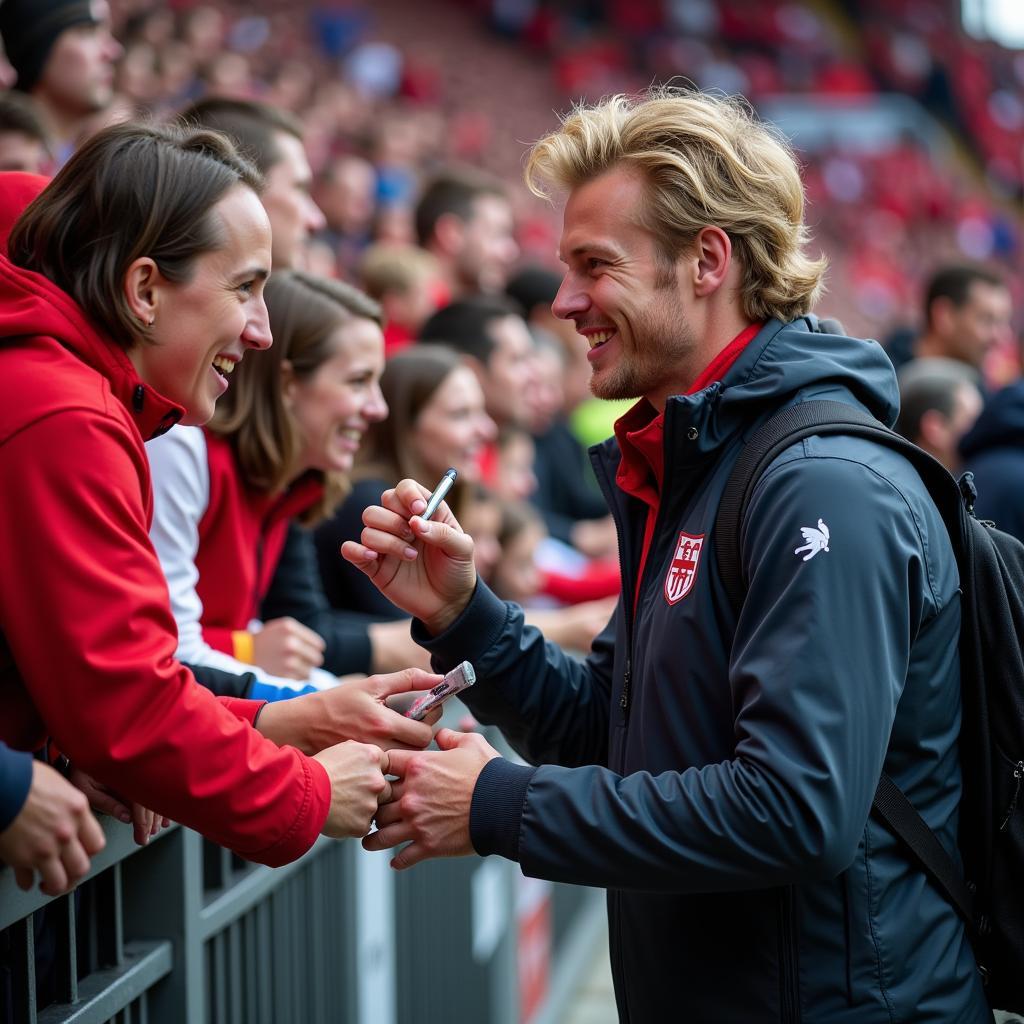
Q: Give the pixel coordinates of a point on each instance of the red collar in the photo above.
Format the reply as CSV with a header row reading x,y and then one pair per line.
x,y
641,431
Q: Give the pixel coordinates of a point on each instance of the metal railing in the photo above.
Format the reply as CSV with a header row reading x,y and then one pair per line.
x,y
184,931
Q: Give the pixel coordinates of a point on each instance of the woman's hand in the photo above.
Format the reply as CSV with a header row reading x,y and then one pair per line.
x,y
354,710
284,647
144,822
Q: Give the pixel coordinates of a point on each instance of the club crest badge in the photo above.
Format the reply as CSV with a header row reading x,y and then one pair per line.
x,y
683,571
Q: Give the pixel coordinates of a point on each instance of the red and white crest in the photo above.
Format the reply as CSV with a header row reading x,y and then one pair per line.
x,y
683,570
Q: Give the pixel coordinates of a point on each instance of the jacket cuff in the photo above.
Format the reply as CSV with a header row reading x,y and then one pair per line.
x,y
496,811
473,633
15,782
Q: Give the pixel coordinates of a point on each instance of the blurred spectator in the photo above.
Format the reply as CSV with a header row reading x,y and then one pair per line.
x,y
514,479
64,54
534,289
405,281
346,192
492,337
993,450
466,222
24,145
939,402
272,139
481,519
436,420
516,576
572,506
967,315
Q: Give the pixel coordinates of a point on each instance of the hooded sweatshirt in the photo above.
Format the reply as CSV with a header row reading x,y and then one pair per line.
x,y
87,638
715,772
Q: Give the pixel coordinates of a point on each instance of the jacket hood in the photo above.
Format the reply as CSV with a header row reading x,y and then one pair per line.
x,y
33,306
1001,422
17,190
785,361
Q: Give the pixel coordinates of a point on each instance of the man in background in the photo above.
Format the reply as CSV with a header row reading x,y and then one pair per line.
x,y
272,139
967,314
939,402
24,144
64,55
466,223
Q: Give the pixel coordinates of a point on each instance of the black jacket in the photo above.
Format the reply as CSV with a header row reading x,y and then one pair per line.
x,y
715,774
993,450
296,590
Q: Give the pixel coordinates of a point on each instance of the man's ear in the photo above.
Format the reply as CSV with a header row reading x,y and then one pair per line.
x,y
142,284
712,250
933,430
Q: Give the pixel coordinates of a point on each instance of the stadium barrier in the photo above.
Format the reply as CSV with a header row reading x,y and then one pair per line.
x,y
184,931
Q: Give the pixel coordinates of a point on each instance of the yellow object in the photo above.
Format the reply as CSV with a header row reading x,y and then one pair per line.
x,y
241,640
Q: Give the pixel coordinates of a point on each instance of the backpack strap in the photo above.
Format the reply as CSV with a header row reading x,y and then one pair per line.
x,y
892,807
786,428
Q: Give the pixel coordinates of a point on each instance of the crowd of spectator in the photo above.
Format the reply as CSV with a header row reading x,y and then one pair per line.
x,y
384,106
380,179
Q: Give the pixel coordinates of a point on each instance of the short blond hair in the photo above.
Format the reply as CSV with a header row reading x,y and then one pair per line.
x,y
706,160
391,268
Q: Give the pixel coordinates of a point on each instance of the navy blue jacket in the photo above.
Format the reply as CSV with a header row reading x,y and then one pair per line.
x,y
15,782
993,450
715,774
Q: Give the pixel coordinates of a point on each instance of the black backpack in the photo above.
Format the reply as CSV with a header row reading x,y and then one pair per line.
x,y
989,893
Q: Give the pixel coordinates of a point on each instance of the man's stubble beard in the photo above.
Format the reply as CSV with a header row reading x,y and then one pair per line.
x,y
660,345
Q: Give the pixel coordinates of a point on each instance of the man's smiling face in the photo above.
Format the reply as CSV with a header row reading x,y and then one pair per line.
x,y
621,292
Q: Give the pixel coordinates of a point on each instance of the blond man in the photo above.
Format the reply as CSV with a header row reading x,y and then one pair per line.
x,y
714,772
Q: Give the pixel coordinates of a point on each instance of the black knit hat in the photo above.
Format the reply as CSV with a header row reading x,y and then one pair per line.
x,y
30,28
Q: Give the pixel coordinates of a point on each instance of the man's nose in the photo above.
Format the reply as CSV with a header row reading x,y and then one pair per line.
x,y
571,299
314,217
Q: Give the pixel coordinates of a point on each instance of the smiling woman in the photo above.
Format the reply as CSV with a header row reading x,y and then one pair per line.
x,y
132,273
437,418
232,501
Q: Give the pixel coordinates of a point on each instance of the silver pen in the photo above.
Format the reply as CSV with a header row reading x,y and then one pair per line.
x,y
435,499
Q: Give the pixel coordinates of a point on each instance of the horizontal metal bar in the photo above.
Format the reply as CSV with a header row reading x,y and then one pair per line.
x,y
251,889
15,903
105,993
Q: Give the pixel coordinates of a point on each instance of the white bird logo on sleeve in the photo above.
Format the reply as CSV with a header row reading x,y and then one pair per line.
x,y
815,540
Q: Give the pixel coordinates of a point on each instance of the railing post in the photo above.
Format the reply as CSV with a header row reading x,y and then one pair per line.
x,y
163,899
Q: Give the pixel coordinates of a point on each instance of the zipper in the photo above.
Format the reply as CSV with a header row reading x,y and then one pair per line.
x,y
789,985
627,593
1018,774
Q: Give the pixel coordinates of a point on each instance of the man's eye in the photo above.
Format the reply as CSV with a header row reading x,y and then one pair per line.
x,y
593,263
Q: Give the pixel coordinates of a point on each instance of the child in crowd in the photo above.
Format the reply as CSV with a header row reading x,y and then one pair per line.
x,y
405,280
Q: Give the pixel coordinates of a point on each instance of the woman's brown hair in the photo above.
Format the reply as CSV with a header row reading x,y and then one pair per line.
x,y
410,380
305,311
132,190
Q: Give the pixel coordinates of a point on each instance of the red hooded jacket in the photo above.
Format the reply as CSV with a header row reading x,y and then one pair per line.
x,y
87,638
